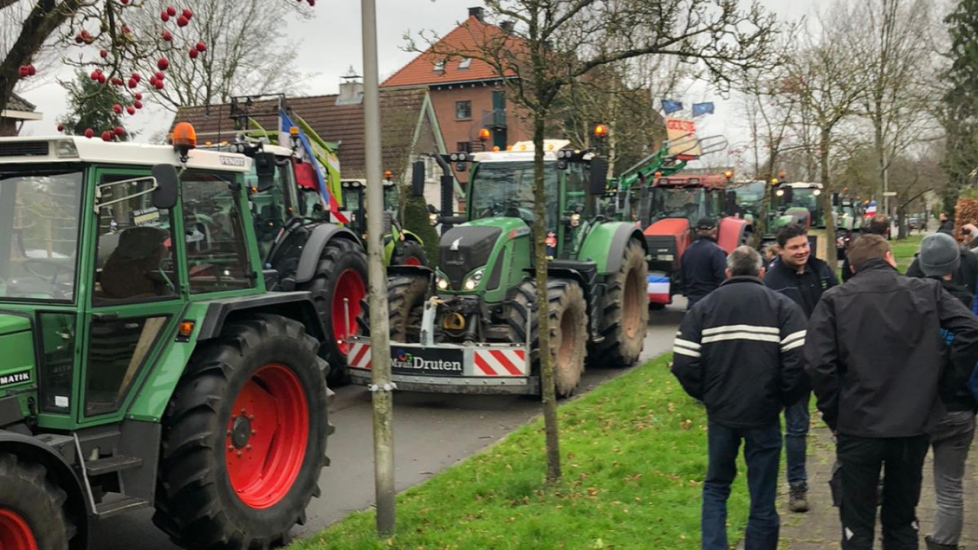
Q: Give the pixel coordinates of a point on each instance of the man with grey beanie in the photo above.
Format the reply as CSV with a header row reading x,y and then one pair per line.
x,y
952,437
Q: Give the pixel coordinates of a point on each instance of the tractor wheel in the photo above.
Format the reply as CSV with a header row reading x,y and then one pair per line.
x,y
32,508
568,329
341,275
244,438
405,300
412,253
625,313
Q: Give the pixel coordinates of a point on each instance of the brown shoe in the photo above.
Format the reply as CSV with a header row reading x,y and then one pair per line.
x,y
798,499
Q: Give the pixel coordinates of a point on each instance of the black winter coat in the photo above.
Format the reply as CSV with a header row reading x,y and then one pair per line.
x,y
818,278
739,350
874,352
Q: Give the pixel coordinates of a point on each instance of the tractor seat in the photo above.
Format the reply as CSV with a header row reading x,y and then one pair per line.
x,y
128,273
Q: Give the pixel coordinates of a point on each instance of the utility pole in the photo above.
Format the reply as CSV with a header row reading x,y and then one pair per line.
x,y
382,388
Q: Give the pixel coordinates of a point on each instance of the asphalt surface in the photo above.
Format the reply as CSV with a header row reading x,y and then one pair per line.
x,y
431,432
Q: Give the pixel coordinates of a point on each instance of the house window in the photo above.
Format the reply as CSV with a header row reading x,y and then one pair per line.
x,y
465,63
464,146
439,66
463,110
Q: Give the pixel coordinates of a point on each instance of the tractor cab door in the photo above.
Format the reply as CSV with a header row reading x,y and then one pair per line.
x,y
573,204
135,299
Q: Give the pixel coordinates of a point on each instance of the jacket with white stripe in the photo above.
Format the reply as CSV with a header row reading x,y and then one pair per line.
x,y
739,350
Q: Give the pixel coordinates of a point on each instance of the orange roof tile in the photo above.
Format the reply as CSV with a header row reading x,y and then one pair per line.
x,y
421,71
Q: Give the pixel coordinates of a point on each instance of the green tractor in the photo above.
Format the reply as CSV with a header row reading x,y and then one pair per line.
x,y
146,364
471,325
401,247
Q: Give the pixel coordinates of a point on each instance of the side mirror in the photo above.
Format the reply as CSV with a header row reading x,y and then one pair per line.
x,y
731,198
599,176
835,199
265,169
417,178
788,197
167,182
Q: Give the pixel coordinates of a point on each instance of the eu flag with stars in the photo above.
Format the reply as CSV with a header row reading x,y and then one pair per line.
x,y
671,105
702,109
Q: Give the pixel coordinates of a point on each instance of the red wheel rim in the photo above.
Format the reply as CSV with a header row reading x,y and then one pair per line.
x,y
412,260
267,436
15,534
349,286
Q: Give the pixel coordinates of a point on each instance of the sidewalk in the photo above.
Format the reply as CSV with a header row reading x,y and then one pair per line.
x,y
819,528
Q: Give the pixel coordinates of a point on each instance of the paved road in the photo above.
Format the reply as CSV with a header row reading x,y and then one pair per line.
x,y
432,432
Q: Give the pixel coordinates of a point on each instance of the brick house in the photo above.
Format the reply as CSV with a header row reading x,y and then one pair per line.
x,y
467,94
18,111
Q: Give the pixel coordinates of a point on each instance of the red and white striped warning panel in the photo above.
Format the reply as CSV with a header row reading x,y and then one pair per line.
x,y
359,356
510,362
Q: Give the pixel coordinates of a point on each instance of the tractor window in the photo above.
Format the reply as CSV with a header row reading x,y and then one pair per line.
x,y
40,211
117,348
273,207
506,189
217,253
576,187
677,202
135,258
58,346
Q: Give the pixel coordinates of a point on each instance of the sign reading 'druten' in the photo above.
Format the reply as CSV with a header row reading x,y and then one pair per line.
x,y
681,133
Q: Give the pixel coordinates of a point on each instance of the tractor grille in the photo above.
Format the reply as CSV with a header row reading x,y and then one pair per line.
x,y
464,249
24,149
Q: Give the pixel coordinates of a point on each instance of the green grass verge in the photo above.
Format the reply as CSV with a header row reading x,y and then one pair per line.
x,y
904,250
634,458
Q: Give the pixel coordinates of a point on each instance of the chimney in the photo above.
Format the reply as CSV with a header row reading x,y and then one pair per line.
x,y
507,26
478,13
351,89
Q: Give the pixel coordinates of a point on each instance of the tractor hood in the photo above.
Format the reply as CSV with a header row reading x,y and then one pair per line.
x,y
668,226
468,247
12,324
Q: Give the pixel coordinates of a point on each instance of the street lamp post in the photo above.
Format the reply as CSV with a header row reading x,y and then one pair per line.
x,y
383,399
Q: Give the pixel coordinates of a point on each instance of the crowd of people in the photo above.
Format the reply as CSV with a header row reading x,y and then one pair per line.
x,y
891,360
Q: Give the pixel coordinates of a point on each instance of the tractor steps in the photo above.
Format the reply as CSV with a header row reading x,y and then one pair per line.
x,y
111,465
120,506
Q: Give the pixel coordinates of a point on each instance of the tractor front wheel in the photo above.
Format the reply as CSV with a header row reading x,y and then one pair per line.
x,y
338,289
567,312
406,295
244,438
411,253
625,312
32,508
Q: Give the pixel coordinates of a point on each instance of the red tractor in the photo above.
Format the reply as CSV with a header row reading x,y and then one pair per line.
x,y
668,209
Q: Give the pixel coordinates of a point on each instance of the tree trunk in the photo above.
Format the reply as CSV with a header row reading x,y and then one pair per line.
x,y
901,220
543,312
825,147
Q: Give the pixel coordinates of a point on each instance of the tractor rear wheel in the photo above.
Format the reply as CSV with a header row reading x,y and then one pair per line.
x,y
625,315
567,311
32,508
411,253
244,438
339,286
405,300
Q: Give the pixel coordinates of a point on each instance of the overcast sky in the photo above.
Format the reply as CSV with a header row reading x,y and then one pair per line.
x,y
331,42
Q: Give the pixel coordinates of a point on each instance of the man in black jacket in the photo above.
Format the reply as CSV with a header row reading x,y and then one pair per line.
x,y
952,436
703,263
875,367
799,275
739,351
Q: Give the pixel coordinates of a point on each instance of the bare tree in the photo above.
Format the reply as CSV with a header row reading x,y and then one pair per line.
x,y
247,51
553,43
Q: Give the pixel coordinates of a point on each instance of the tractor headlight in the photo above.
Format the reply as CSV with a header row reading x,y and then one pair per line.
x,y
473,280
779,192
433,219
817,192
441,282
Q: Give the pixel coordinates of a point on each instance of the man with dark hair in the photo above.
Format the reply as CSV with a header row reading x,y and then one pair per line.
x,y
739,351
878,226
799,275
875,368
947,225
703,263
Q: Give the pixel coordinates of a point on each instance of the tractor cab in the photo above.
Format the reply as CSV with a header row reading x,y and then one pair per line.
x,y
689,197
797,202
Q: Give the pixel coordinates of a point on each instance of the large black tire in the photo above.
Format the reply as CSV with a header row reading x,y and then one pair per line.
x,y
625,312
32,505
341,262
196,502
567,310
411,253
405,300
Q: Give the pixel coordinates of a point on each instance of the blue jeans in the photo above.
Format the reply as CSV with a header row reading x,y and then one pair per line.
x,y
762,452
796,420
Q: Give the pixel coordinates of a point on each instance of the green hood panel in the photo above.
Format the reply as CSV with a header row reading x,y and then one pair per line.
x,y
10,324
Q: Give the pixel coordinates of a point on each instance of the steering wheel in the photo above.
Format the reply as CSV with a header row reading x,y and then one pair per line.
x,y
58,268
